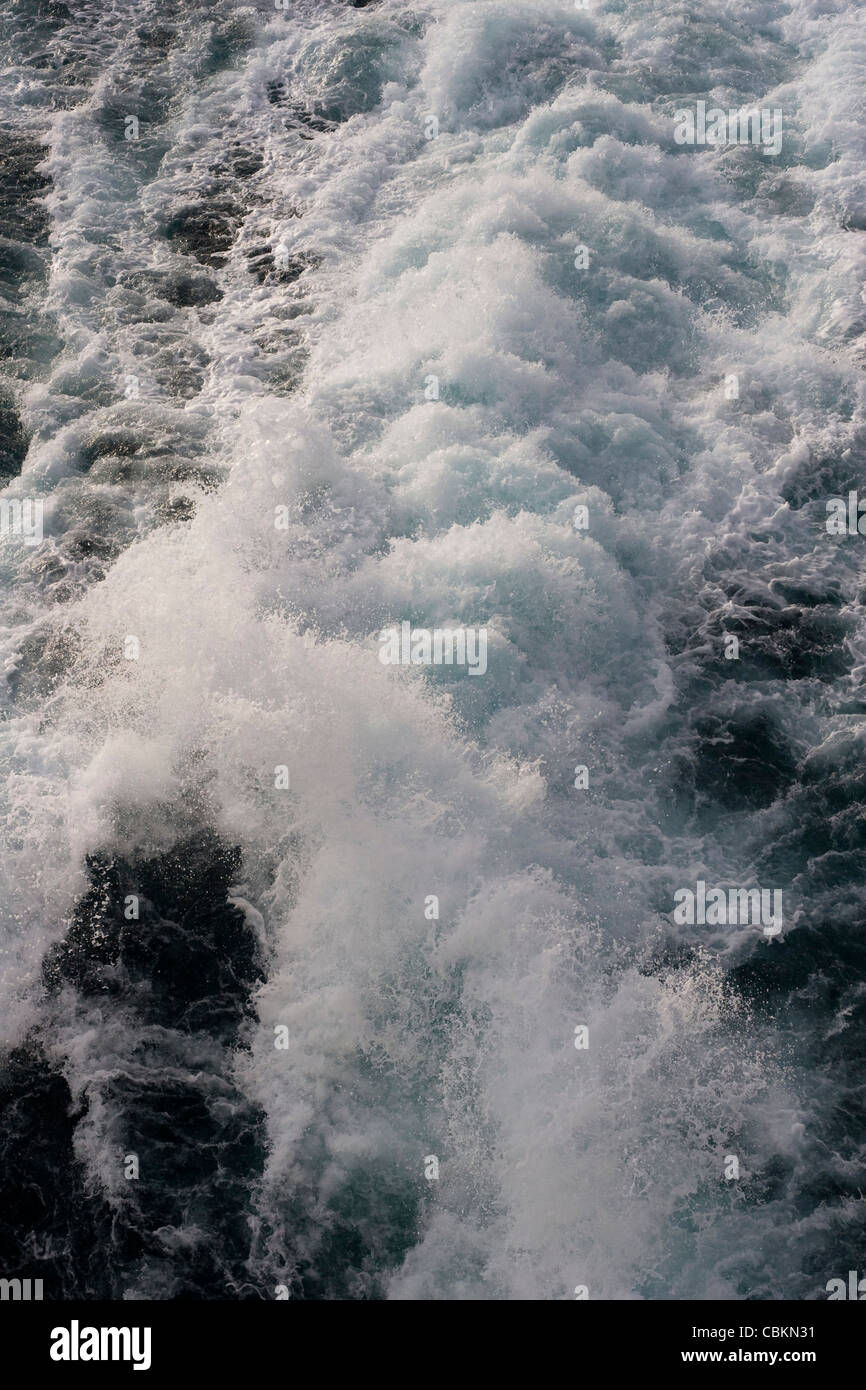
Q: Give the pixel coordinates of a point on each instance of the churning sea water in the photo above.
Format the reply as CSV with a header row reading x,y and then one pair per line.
x,y
347,979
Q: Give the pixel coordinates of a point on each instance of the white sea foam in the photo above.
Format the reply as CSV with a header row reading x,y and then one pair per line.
x,y
455,257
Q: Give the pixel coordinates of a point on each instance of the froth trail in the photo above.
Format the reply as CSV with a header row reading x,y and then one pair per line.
x,y
331,321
